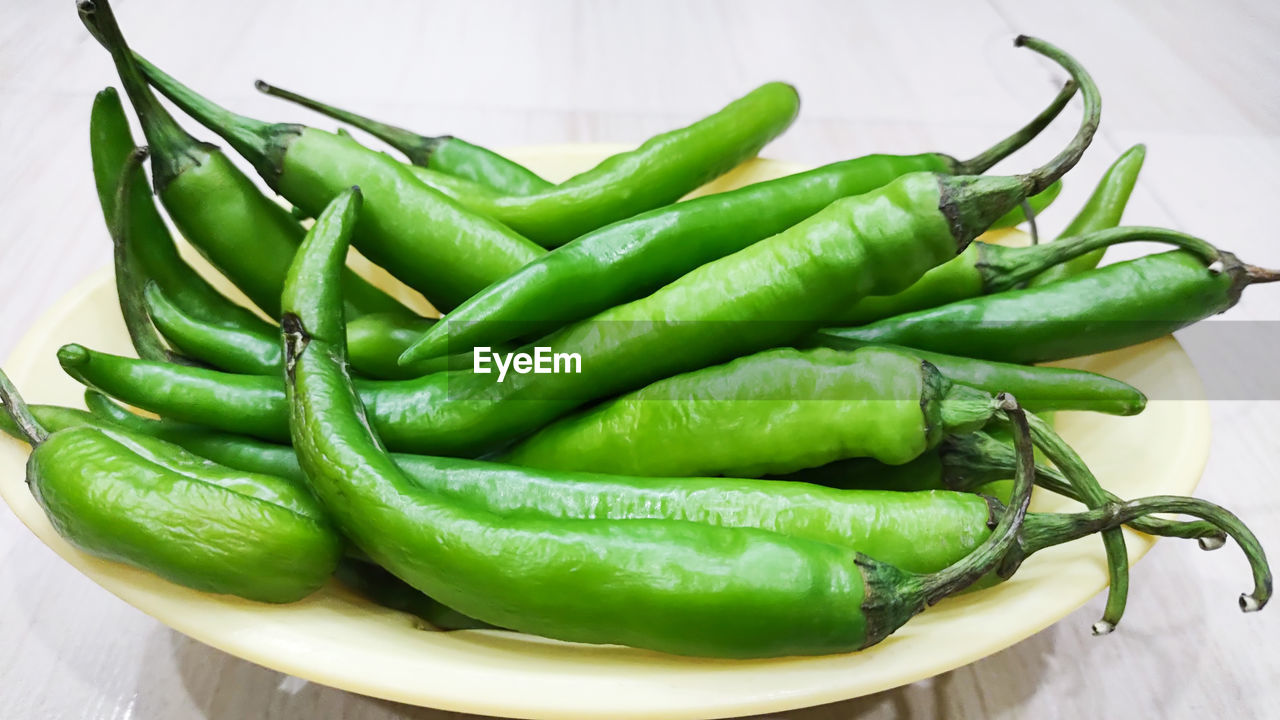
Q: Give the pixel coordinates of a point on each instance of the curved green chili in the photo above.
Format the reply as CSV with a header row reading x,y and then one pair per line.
x,y
1038,388
445,153
251,238
1111,307
110,143
632,258
135,499
128,266
785,410
659,172
1103,210
374,341
986,269
243,233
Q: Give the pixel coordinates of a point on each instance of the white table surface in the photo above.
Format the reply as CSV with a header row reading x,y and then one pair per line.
x,y
1198,82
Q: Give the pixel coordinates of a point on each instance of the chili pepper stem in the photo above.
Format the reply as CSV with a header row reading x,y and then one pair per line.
x,y
974,459
1094,496
1255,275
172,144
418,148
1057,167
1055,529
972,203
1005,268
1004,537
16,408
984,160
261,143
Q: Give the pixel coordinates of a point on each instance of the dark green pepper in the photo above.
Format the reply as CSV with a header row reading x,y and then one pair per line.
x,y
986,269
1111,307
1103,210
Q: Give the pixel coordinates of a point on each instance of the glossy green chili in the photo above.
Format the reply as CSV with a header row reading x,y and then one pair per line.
x,y
110,144
659,172
419,235
1111,307
128,267
375,342
443,153
1103,210
631,258
243,233
975,462
985,269
1038,388
134,499
785,410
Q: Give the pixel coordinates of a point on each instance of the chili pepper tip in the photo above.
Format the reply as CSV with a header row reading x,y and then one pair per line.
x,y
73,355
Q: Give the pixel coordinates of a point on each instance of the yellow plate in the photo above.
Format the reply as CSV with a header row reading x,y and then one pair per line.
x,y
337,639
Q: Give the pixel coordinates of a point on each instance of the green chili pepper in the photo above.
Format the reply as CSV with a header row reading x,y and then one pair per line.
x,y
985,269
374,341
235,349
443,153
785,409
1105,309
1103,210
632,258
128,266
659,172
974,462
134,499
110,145
244,234
1039,389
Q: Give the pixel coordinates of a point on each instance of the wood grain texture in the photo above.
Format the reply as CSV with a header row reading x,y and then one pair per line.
x,y
1198,82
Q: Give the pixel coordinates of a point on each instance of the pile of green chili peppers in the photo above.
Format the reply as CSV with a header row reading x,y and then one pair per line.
x,y
802,411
